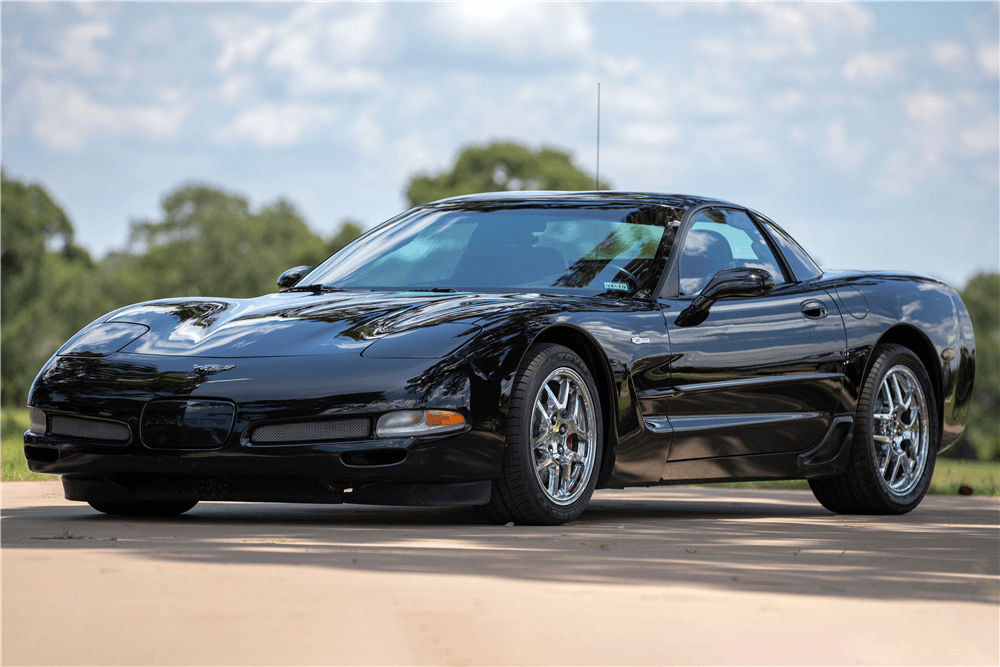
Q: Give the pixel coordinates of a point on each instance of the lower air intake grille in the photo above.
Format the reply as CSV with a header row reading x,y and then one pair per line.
x,y
340,429
88,429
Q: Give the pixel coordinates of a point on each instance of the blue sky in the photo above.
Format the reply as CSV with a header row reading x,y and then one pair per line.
x,y
869,131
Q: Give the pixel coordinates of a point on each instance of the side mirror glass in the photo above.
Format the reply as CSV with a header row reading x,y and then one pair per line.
x,y
288,279
727,283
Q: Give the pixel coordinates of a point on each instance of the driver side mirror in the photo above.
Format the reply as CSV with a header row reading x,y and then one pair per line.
x,y
288,279
728,283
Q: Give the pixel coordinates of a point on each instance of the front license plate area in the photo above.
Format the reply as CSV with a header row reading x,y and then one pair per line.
x,y
186,424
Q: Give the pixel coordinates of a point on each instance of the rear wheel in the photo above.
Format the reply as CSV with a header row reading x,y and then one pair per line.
x,y
895,440
145,507
553,443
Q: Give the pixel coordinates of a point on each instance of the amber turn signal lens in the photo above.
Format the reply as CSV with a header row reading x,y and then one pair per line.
x,y
415,423
444,418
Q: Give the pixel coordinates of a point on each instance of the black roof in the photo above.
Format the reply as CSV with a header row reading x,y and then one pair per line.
x,y
677,201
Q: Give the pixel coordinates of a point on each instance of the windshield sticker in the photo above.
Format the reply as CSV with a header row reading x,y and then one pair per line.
x,y
623,287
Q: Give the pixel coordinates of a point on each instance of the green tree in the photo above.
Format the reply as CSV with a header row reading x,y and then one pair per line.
x,y
982,298
32,223
47,283
209,242
499,166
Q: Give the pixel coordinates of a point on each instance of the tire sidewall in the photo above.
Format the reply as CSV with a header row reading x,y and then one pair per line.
x,y
557,357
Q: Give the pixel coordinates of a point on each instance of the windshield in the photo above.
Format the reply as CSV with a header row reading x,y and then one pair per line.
x,y
495,247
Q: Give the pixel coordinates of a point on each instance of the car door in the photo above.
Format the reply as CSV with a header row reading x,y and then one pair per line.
x,y
758,375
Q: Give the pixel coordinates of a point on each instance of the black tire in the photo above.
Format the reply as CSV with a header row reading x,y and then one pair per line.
x,y
864,488
520,495
145,507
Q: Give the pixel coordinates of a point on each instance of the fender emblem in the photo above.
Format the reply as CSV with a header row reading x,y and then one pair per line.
x,y
639,341
211,368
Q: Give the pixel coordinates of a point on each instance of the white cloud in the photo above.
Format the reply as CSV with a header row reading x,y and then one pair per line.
x,y
319,80
962,233
680,10
235,85
873,68
988,56
950,56
799,134
990,173
840,150
651,134
367,133
899,173
273,125
982,137
786,101
242,39
518,33
64,117
812,27
78,50
926,107
319,48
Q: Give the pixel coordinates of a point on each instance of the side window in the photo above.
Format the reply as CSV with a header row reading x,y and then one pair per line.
x,y
798,259
722,239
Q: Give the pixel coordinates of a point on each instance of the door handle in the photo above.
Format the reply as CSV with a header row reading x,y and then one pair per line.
x,y
813,309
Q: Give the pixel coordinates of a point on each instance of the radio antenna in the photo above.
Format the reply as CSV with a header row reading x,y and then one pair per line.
x,y
597,177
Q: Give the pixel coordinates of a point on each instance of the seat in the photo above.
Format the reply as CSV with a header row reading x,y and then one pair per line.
x,y
705,253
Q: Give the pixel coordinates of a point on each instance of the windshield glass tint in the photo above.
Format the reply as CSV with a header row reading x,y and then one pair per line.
x,y
509,248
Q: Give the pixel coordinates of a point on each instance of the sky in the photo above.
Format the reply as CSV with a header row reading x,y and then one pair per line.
x,y
868,131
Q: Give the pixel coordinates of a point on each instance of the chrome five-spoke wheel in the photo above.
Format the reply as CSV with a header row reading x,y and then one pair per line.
x,y
562,435
901,430
895,439
553,442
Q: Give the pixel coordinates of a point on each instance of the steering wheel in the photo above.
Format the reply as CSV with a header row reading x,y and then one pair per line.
x,y
621,269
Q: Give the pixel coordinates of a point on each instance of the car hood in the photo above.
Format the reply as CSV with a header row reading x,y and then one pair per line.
x,y
299,323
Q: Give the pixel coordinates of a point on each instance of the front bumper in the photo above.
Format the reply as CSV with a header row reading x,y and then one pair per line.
x,y
463,456
266,391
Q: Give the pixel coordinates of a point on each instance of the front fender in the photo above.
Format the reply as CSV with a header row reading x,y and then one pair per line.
x,y
922,314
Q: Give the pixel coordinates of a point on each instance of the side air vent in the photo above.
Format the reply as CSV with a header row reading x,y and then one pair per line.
x,y
313,431
373,457
88,429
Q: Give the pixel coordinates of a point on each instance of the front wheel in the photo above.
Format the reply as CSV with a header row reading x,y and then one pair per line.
x,y
144,507
553,445
895,440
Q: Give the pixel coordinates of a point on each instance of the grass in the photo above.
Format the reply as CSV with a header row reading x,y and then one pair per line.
x,y
13,467
949,474
982,476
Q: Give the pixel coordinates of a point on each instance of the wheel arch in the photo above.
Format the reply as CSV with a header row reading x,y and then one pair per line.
x,y
583,344
917,342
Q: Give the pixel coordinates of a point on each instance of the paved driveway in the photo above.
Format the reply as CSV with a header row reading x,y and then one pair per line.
x,y
682,575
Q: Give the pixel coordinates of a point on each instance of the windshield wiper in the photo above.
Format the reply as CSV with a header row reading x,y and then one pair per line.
x,y
315,289
431,289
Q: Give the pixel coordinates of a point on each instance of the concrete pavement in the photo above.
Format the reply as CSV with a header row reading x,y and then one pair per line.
x,y
672,575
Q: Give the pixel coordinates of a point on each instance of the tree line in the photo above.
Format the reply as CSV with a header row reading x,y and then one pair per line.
x,y
208,241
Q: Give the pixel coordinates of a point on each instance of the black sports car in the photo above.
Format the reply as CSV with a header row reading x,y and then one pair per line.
x,y
515,351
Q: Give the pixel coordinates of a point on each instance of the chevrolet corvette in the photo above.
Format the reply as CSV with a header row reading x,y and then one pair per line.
x,y
514,352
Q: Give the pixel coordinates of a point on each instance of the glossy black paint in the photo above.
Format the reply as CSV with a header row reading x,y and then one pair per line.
x,y
289,278
763,385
